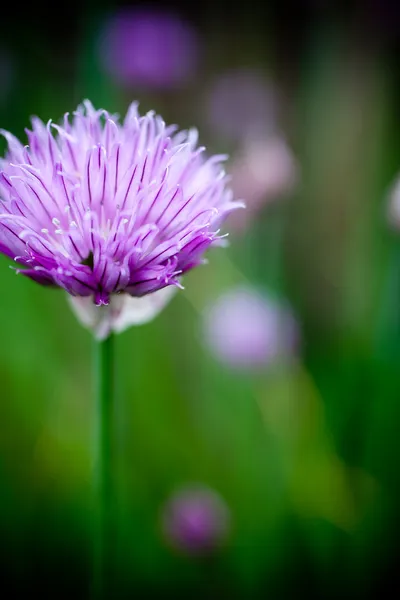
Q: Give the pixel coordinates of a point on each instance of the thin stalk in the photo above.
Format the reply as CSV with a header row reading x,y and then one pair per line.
x,y
104,530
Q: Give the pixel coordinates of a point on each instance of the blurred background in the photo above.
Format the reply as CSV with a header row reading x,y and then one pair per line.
x,y
257,422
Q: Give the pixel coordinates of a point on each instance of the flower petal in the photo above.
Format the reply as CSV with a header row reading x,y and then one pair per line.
x,y
137,311
122,312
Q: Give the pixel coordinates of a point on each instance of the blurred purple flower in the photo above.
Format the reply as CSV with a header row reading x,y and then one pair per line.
x,y
248,330
195,520
241,104
264,170
99,208
154,48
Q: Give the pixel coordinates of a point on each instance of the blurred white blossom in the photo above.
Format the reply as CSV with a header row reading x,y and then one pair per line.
x,y
262,171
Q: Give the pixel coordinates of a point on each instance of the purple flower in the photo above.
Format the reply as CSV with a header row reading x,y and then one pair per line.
x,y
154,48
245,329
99,208
195,520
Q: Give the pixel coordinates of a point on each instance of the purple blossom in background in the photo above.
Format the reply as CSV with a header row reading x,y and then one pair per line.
x,y
98,208
241,104
242,107
262,171
153,48
195,520
245,329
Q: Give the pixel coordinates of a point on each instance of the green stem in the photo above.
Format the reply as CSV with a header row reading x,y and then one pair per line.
x,y
104,388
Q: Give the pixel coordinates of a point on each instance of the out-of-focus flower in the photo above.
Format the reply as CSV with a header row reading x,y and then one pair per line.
x,y
245,329
264,170
394,203
195,520
153,48
242,107
100,208
241,104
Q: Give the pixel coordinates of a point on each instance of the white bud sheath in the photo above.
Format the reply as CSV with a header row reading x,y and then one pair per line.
x,y
122,312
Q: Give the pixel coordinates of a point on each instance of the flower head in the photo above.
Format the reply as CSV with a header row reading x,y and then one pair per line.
x,y
153,48
245,329
195,520
98,207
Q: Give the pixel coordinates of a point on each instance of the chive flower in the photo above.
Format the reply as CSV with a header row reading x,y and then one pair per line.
x,y
101,208
195,520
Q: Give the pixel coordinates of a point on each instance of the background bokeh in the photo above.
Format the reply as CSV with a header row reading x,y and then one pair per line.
x,y
297,444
